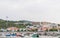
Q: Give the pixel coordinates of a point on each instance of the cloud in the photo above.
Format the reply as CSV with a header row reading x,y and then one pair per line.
x,y
36,10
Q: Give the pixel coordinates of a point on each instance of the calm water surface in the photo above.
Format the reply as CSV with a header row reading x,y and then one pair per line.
x,y
30,37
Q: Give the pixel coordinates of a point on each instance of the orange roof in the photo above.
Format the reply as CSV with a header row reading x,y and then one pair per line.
x,y
12,28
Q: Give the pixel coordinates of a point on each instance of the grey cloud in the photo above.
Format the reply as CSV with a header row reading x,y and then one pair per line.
x,y
36,10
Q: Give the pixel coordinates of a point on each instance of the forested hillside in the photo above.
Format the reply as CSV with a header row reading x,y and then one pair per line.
x,y
5,23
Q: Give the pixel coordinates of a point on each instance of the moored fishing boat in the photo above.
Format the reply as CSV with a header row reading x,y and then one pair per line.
x,y
35,35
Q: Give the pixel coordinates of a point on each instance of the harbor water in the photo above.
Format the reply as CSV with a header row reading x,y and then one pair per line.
x,y
29,37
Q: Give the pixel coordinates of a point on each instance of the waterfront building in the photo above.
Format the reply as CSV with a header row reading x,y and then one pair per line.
x,y
47,26
12,29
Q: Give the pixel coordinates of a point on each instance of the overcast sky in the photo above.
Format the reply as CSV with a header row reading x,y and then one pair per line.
x,y
34,10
